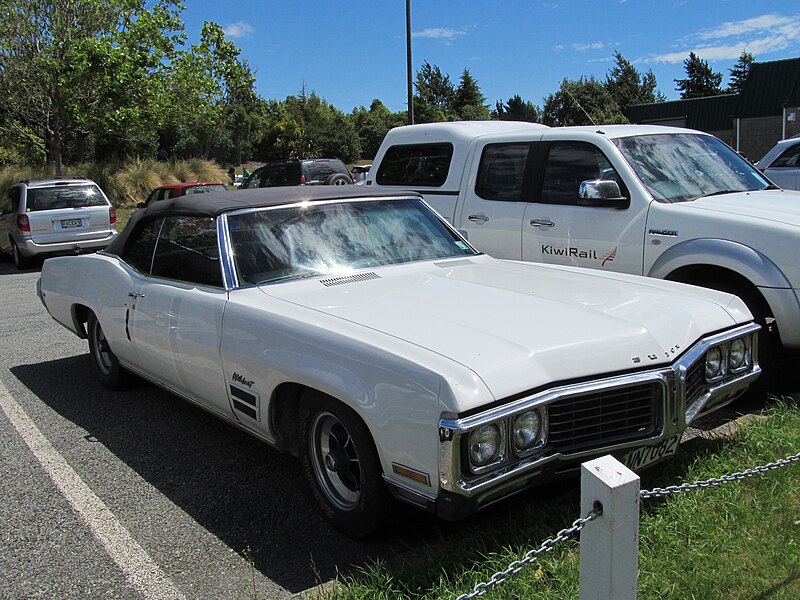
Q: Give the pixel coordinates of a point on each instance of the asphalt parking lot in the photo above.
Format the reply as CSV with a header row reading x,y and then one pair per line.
x,y
137,494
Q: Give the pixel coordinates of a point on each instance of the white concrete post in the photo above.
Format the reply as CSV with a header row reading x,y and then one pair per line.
x,y
610,543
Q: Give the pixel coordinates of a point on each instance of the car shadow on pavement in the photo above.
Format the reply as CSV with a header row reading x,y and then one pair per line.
x,y
241,490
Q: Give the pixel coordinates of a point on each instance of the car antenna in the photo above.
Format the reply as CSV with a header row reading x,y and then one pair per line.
x,y
575,100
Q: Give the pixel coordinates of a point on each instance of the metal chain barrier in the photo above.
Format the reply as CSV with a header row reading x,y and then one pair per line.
x,y
716,481
531,556
548,545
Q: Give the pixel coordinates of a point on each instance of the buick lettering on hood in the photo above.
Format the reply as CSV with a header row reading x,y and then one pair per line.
x,y
357,330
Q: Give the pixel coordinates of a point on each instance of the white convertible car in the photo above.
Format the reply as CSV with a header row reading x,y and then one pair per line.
x,y
357,330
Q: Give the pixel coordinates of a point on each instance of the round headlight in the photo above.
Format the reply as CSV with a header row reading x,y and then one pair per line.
x,y
713,363
527,430
484,445
739,355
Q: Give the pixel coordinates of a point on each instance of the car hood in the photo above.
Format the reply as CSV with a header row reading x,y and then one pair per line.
x,y
519,326
780,206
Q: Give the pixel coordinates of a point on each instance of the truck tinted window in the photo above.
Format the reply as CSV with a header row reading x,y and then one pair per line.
x,y
501,172
415,165
790,158
570,163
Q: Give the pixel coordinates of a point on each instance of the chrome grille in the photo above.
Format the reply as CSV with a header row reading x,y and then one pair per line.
x,y
604,418
695,382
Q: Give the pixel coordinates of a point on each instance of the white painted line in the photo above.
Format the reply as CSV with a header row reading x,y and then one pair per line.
x,y
139,569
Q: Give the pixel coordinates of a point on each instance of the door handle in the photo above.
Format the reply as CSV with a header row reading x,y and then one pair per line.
x,y
478,218
136,294
542,223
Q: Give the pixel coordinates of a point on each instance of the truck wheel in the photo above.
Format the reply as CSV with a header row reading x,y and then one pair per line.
x,y
768,341
110,373
341,467
20,261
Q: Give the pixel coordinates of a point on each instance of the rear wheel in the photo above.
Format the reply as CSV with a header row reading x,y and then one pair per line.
x,y
20,261
341,467
110,373
338,179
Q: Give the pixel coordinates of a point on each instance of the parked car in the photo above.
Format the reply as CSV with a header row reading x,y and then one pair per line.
x,y
359,331
57,216
782,163
182,189
359,172
309,171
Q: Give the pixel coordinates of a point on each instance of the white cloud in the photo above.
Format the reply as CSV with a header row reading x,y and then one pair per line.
x,y
439,33
238,30
581,47
759,35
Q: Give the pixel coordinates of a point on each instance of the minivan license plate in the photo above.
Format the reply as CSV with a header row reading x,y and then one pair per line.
x,y
641,457
66,223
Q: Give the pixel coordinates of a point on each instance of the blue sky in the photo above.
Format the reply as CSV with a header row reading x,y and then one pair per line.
x,y
352,52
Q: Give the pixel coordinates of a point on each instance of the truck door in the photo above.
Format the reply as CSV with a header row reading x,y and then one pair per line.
x,y
494,195
557,229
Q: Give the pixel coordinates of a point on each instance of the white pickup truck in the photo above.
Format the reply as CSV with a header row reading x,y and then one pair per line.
x,y
665,202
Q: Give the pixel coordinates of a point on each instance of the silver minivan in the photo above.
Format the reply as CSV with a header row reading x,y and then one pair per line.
x,y
59,216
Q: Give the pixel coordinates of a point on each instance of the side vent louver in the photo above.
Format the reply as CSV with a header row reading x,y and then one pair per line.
x,y
349,279
246,402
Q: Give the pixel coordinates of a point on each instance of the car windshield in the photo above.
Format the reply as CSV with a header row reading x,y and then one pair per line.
x,y
204,189
681,167
65,196
337,238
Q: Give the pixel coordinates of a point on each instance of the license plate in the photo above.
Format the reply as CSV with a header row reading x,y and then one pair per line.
x,y
67,223
642,457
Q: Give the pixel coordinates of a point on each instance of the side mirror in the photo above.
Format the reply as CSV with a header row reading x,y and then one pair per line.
x,y
602,193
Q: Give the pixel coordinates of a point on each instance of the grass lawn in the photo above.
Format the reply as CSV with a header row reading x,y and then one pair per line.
x,y
740,540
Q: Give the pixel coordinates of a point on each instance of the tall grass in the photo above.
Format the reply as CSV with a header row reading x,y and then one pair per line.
x,y
127,183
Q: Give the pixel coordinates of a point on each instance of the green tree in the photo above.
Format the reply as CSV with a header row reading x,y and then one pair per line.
x,y
700,80
208,82
434,95
517,109
628,86
581,102
373,124
57,59
468,100
738,73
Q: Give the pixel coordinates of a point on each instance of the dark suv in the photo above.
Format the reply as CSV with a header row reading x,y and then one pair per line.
x,y
309,171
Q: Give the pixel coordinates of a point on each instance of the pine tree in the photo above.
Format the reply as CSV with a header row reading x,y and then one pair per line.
x,y
627,86
468,100
700,80
738,73
517,109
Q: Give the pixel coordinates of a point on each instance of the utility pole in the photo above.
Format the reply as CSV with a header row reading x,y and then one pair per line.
x,y
408,64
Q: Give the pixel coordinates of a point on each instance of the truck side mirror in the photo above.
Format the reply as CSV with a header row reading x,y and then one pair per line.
x,y
602,193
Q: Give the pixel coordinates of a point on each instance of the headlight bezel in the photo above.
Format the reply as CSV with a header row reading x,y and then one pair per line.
x,y
499,455
540,438
727,367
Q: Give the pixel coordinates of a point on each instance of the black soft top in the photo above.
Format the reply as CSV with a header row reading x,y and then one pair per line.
x,y
213,204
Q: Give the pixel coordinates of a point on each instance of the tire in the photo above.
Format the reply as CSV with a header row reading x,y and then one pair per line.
x,y
769,345
338,179
341,467
20,261
110,373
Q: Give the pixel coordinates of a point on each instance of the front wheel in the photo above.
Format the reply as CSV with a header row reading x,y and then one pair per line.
x,y
341,467
110,373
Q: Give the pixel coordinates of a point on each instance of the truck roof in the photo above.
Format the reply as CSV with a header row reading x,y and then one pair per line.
x,y
456,130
